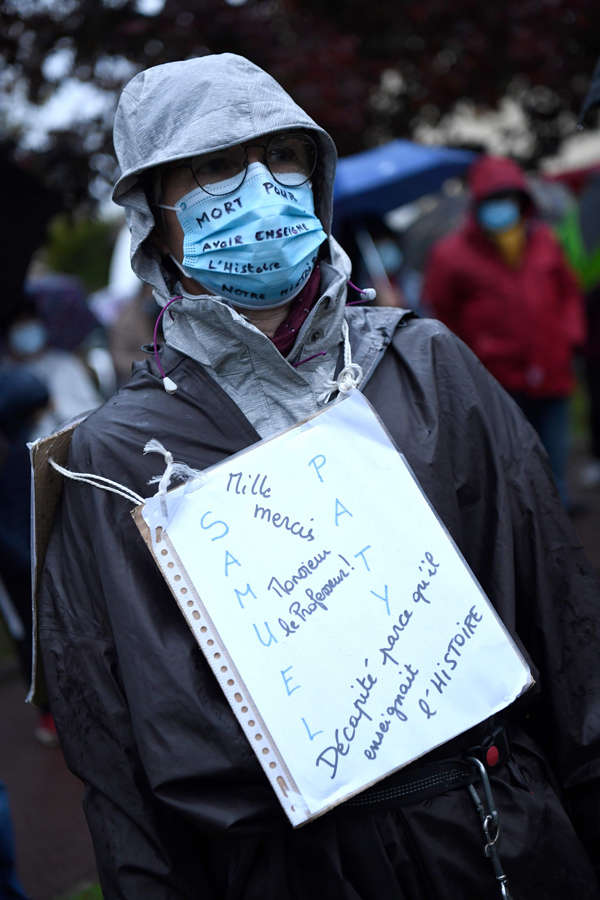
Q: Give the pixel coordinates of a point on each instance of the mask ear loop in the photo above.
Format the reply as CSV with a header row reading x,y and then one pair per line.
x,y
168,383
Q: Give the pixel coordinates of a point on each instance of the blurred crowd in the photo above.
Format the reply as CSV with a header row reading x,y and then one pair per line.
x,y
511,263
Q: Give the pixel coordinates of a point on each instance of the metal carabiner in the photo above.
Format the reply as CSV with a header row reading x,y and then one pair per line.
x,y
486,830
490,824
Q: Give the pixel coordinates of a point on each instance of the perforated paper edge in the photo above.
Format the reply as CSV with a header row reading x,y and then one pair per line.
x,y
225,671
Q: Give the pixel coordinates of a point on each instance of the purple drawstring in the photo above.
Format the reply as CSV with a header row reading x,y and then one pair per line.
x,y
367,294
168,384
308,359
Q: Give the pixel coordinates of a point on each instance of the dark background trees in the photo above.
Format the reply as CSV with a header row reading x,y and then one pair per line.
x,y
367,71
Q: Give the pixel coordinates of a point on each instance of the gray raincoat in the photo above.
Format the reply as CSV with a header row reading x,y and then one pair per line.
x,y
177,804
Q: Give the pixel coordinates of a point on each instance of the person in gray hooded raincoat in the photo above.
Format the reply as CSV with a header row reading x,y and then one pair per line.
x,y
177,804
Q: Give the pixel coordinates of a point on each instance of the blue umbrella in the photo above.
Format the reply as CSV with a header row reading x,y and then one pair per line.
x,y
378,180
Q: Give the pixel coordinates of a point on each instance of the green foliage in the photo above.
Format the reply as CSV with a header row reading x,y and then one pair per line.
x,y
84,892
81,247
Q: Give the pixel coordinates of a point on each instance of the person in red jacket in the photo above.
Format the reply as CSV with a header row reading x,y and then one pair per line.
x,y
501,283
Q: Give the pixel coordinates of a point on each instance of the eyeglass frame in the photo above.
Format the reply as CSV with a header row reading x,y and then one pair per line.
x,y
245,148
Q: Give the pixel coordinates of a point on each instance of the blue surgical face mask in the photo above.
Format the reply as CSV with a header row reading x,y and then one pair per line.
x,y
27,338
498,215
257,246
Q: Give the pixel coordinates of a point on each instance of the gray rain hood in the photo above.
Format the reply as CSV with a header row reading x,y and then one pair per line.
x,y
181,109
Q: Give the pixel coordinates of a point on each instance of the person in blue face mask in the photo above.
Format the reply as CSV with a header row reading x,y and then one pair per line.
x,y
240,223
499,212
227,185
503,285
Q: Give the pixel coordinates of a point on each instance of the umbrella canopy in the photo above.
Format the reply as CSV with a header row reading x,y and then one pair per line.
x,y
378,180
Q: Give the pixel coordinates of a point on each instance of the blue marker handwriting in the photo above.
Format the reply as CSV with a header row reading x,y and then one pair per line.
x,y
248,483
279,520
206,525
344,736
315,600
419,593
402,622
441,678
394,710
304,570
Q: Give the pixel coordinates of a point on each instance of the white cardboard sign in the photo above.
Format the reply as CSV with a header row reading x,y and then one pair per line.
x,y
344,626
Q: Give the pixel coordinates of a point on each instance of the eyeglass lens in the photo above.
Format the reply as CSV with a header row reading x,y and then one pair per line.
x,y
290,158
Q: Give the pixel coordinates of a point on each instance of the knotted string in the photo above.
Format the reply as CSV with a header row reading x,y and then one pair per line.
x,y
349,377
181,471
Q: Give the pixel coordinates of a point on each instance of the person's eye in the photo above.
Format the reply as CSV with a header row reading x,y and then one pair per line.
x,y
292,154
285,154
287,157
215,167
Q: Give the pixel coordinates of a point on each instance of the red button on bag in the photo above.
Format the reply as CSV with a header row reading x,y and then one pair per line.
x,y
492,756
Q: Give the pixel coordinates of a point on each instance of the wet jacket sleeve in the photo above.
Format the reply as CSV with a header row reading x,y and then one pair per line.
x,y
98,672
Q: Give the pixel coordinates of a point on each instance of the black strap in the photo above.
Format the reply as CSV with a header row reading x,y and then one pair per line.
x,y
413,785
425,782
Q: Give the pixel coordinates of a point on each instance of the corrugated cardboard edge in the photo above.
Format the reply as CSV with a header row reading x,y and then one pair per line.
x,y
46,491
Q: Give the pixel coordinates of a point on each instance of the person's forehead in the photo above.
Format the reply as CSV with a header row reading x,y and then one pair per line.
x,y
250,142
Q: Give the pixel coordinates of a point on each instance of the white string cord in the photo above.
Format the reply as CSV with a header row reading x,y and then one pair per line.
x,y
105,484
349,377
173,469
154,446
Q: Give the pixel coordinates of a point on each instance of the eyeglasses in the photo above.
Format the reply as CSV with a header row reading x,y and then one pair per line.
x,y
291,158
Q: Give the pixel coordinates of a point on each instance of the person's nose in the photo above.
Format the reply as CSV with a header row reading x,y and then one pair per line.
x,y
255,153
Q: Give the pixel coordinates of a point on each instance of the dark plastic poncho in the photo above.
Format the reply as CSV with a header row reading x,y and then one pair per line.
x,y
177,804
